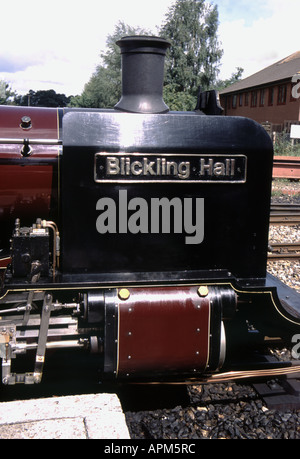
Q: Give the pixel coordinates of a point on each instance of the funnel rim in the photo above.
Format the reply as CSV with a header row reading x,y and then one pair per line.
x,y
143,43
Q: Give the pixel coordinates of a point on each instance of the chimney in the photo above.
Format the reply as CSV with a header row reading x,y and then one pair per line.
x,y
143,59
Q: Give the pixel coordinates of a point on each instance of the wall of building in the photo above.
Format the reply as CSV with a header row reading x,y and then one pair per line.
x,y
272,103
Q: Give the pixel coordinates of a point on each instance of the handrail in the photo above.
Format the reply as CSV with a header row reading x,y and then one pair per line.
x,y
31,141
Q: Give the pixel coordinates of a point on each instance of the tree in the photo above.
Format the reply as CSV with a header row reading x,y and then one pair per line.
x,y
6,93
193,59
104,87
235,76
191,63
43,98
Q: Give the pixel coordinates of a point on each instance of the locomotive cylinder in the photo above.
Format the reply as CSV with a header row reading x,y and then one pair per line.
x,y
144,338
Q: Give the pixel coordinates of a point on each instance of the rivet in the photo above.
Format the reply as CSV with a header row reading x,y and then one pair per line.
x,y
124,294
203,290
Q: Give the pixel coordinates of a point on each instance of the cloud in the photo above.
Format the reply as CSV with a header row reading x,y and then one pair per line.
x,y
60,41
248,10
262,43
57,45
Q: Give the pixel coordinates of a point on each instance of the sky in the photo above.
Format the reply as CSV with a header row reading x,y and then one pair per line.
x,y
57,45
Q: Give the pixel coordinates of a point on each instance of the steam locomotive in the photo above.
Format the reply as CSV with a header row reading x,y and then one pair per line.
x,y
138,234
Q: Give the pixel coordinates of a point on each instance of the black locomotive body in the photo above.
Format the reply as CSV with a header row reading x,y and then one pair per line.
x,y
155,254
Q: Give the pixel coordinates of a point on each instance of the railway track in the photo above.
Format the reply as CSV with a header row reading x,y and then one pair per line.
x,y
286,167
284,251
285,214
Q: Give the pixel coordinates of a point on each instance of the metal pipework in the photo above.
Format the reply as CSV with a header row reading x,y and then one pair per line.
x,y
56,243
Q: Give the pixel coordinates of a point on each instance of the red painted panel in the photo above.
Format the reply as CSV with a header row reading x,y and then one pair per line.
x,y
4,262
28,184
163,330
25,190
44,122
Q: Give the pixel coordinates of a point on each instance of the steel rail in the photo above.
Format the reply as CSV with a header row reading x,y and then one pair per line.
x,y
285,214
284,251
286,167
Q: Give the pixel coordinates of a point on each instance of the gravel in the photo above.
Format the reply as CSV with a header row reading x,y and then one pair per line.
x,y
231,410
287,271
220,411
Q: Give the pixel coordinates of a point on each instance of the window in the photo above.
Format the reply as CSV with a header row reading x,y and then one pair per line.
x,y
229,101
246,99
282,91
271,96
234,100
240,100
262,98
253,98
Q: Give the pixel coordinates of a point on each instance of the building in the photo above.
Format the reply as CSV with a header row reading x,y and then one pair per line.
x,y
270,96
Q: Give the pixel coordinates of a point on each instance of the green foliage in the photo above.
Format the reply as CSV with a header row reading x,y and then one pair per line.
x,y
6,94
104,87
47,98
236,76
99,92
178,100
283,146
193,59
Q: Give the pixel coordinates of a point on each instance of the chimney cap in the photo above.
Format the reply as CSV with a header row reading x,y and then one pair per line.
x,y
143,44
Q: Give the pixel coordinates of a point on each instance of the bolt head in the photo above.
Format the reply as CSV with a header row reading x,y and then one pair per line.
x,y
203,291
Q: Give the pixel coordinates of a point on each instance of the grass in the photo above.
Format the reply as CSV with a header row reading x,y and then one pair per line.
x,y
283,145
285,187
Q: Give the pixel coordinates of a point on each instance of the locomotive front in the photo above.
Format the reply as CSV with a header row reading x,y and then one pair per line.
x,y
153,249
